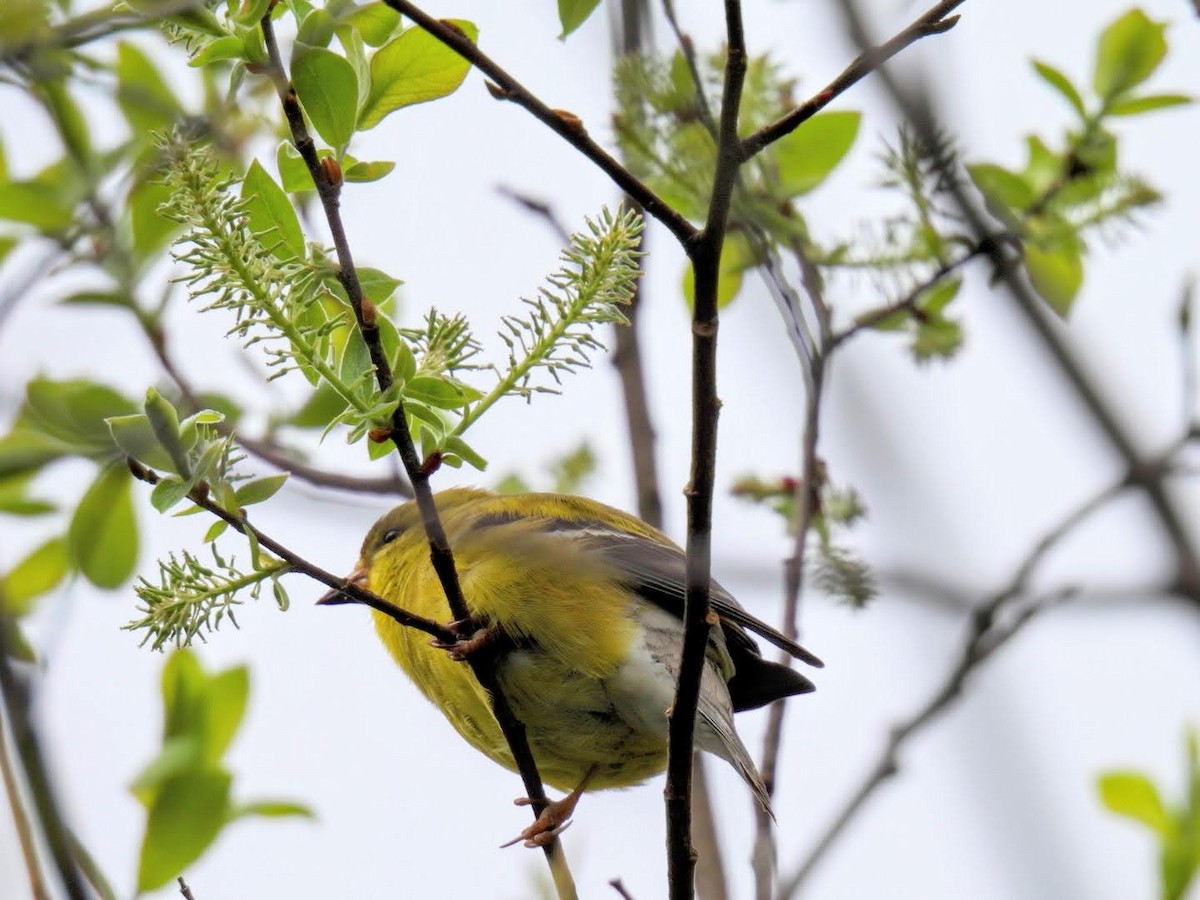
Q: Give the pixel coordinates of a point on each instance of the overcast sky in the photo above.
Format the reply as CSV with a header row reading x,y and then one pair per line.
x,y
963,467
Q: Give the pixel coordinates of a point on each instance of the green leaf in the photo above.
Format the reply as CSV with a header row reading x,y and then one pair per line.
x,y
376,22
226,695
316,29
1006,192
74,411
273,809
1056,271
178,754
223,48
38,573
573,13
933,302
168,492
1062,84
293,170
322,407
102,537
186,818
134,435
368,171
436,392
377,284
14,501
413,68
1133,106
464,451
35,203
1128,52
806,156
355,366
270,213
1133,795
260,489
146,101
328,89
22,452
250,12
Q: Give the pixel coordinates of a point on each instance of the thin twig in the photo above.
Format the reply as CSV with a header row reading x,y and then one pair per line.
x,y
934,21
907,303
986,633
440,553
185,890
14,703
705,254
567,126
21,823
200,496
917,111
619,886
711,882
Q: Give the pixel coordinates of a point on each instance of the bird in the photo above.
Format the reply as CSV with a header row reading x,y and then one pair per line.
x,y
582,606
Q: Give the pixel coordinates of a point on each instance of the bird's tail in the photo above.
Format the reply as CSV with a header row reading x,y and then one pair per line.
x,y
716,735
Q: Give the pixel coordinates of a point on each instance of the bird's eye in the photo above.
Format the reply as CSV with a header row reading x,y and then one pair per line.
x,y
390,535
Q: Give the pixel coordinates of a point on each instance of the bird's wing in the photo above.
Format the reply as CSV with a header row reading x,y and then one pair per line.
x,y
657,572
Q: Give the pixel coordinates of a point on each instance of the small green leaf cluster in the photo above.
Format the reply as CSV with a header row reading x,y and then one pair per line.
x,y
192,598
1066,190
187,789
665,131
836,570
1177,829
59,420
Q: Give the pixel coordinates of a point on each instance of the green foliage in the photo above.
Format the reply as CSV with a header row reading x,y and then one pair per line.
x,y
666,139
191,599
566,474
1176,829
413,68
1067,191
187,789
573,13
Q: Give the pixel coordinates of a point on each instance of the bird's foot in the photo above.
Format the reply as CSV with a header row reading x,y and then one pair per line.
x,y
474,637
553,820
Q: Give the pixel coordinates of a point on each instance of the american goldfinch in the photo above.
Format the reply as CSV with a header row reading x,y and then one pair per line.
x,y
583,605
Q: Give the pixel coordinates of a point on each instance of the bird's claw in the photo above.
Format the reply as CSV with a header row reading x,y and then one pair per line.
x,y
553,820
479,638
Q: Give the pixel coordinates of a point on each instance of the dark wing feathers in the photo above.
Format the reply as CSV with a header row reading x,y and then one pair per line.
x,y
656,572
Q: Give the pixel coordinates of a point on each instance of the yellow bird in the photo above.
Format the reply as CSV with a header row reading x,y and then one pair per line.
x,y
583,605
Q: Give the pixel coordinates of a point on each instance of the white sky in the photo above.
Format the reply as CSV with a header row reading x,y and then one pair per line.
x,y
963,467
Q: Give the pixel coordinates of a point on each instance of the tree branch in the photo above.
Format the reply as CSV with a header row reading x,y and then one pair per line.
x,y
934,21
14,703
565,125
440,553
986,633
705,254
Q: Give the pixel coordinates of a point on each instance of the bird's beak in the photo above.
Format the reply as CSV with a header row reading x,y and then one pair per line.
x,y
357,577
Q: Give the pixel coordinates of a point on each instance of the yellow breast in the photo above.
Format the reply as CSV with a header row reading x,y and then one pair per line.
x,y
575,627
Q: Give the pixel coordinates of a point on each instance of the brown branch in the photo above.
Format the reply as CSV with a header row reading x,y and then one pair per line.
x,y
568,127
21,823
441,556
987,632
619,886
705,254
907,303
934,21
14,704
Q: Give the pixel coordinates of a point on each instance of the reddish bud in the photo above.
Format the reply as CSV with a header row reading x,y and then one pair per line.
x,y
369,311
572,121
432,463
496,91
379,435
333,171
